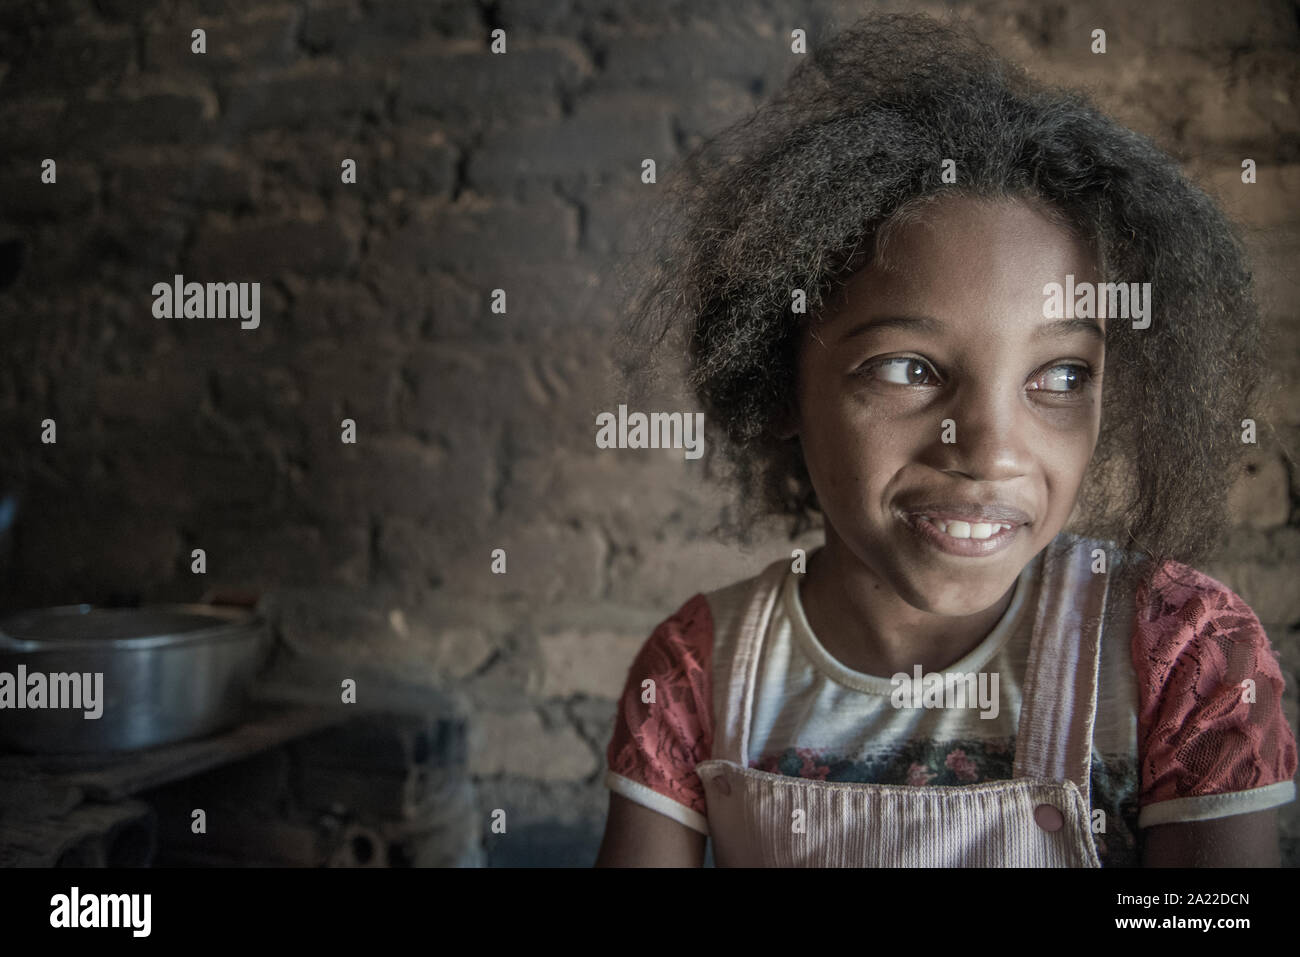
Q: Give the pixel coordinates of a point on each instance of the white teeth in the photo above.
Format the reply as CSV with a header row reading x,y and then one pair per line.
x,y
958,529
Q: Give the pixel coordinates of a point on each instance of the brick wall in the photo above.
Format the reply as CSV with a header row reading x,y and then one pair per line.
x,y
474,172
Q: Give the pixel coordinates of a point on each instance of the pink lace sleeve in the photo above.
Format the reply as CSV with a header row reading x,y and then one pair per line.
x,y
1195,645
657,744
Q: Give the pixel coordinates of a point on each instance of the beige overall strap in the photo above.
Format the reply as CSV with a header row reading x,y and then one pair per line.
x,y
732,736
1054,740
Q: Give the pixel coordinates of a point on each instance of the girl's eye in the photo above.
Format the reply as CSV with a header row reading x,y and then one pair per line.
x,y
910,371
1062,379
902,371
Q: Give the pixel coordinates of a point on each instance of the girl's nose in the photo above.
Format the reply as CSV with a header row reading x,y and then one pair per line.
x,y
984,436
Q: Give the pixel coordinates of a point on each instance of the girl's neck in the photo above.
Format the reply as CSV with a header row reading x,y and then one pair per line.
x,y
864,624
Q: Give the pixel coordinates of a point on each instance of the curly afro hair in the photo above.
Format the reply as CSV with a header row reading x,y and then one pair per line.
x,y
799,195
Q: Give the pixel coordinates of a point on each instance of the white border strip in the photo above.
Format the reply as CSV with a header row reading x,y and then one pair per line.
x,y
640,794
1210,806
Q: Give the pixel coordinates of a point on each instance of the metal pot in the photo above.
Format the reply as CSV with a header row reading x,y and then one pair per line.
x,y
169,672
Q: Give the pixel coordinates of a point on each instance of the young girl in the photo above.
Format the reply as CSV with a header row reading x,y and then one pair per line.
x,y
889,286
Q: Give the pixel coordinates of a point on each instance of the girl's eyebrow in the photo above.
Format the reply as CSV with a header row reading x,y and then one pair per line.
x,y
1064,327
915,323
1058,328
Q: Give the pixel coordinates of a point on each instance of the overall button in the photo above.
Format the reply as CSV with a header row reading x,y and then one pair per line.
x,y
1048,817
722,785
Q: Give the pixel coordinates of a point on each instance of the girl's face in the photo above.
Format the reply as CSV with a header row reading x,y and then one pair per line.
x,y
935,386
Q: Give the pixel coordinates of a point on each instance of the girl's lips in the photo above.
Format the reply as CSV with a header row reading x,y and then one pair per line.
x,y
968,511
963,547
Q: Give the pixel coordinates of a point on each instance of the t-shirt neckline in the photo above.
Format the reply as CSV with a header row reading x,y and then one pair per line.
x,y
973,661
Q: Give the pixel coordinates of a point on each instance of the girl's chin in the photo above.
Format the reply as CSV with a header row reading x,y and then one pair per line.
x,y
929,580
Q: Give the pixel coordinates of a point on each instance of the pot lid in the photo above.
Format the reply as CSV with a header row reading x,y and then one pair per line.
x,y
88,626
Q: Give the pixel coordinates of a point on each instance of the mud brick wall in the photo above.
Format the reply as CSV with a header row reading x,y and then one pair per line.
x,y
474,428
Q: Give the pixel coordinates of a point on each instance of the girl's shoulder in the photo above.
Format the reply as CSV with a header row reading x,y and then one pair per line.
x,y
664,716
1192,633
682,642
684,645
1214,738
1176,606
1181,609
1212,735
663,719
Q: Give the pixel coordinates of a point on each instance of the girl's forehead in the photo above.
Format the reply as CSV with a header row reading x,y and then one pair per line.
x,y
974,270
968,225
960,246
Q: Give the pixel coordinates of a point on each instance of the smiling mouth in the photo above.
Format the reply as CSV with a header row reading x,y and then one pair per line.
x,y
956,528
966,536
